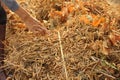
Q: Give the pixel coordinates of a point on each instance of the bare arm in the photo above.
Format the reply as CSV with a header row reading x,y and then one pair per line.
x,y
33,24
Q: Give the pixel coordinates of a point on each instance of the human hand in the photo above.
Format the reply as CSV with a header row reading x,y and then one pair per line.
x,y
36,27
32,24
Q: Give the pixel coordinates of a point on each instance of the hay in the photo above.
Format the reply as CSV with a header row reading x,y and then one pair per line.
x,y
77,53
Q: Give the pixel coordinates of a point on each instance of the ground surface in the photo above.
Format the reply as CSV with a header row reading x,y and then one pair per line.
x,y
83,44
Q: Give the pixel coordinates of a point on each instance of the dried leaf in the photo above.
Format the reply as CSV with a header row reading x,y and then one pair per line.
x,y
20,25
71,9
114,38
105,51
84,19
97,21
105,48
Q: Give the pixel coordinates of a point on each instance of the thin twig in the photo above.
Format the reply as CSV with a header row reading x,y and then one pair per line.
x,y
108,75
62,54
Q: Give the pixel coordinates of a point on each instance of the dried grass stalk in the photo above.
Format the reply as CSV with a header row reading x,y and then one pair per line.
x,y
63,57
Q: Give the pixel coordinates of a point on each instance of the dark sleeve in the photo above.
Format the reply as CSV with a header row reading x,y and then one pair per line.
x,y
11,4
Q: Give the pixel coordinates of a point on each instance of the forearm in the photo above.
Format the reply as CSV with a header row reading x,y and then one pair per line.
x,y
23,14
14,6
32,24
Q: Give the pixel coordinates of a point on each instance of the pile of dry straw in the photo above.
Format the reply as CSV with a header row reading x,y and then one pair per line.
x,y
73,50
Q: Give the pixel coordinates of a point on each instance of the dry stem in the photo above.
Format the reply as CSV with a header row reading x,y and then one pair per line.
x,y
63,58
